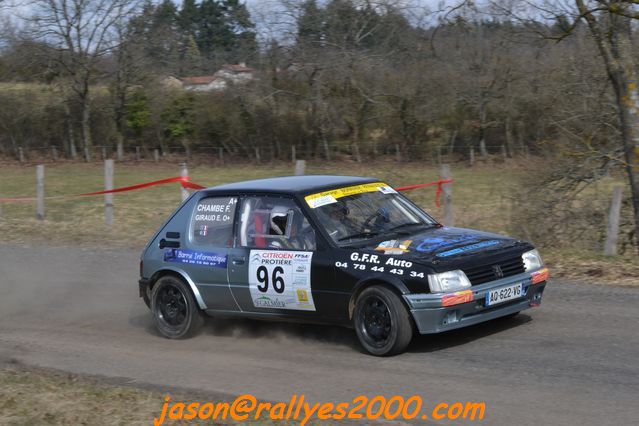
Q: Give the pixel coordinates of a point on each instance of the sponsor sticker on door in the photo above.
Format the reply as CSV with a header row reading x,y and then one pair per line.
x,y
281,279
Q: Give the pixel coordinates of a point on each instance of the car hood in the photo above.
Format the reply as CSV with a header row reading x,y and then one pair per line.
x,y
444,244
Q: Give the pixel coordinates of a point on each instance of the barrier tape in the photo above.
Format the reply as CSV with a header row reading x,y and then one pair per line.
x,y
187,184
184,182
438,191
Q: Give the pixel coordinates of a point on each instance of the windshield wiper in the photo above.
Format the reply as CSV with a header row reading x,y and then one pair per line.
x,y
408,224
359,235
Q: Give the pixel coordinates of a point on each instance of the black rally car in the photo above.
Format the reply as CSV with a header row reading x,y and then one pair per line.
x,y
331,249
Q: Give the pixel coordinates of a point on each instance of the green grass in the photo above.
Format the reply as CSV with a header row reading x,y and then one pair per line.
x,y
479,199
35,397
482,198
39,398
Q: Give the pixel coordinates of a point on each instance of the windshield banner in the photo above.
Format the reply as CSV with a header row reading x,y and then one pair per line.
x,y
328,197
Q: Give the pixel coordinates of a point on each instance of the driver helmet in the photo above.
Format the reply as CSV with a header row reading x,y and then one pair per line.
x,y
278,220
338,210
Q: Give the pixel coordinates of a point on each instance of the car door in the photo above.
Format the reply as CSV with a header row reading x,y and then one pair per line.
x,y
273,267
205,257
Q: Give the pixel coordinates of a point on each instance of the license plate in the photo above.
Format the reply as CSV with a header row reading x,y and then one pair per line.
x,y
504,294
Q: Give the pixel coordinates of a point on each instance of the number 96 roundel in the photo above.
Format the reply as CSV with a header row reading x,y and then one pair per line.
x,y
281,279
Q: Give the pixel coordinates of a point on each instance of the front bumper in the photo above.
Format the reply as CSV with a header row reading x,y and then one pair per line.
x,y
432,317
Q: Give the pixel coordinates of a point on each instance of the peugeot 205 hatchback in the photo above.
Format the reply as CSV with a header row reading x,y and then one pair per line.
x,y
331,249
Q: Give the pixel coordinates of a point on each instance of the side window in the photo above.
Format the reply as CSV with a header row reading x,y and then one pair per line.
x,y
212,221
274,222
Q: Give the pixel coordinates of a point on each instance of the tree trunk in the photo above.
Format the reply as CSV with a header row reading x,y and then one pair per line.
x,y
482,130
451,146
509,137
615,46
628,105
327,148
86,127
72,150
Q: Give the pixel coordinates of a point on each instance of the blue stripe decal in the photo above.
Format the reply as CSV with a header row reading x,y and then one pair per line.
x,y
468,248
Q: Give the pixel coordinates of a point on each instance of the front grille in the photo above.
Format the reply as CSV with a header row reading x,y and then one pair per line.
x,y
490,272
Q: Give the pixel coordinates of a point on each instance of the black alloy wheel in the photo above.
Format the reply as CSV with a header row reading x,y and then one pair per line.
x,y
174,308
382,322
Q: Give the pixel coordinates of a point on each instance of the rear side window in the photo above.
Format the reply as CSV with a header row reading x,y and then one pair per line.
x,y
212,221
268,222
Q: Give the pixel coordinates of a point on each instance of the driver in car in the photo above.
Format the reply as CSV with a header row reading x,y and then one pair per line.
x,y
278,220
339,225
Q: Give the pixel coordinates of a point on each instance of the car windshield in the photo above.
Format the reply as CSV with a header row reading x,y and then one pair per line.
x,y
377,211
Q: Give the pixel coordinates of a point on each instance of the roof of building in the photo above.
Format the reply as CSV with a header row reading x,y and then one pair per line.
x,y
294,184
204,79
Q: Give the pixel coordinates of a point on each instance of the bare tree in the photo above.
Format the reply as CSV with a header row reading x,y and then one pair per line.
x,y
610,24
611,28
82,33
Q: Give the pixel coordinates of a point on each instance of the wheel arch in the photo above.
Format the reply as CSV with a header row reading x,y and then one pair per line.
x,y
394,284
179,273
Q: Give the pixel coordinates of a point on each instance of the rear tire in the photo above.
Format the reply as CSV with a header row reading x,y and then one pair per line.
x,y
382,322
175,311
147,297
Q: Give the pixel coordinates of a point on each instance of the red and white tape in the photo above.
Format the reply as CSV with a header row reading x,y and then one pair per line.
x,y
186,183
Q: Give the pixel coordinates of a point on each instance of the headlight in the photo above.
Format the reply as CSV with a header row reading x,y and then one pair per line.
x,y
532,260
446,282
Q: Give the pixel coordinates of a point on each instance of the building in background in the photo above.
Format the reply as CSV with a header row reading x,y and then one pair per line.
x,y
228,75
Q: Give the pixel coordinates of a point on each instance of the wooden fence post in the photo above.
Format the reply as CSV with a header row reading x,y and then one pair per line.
x,y
612,231
184,172
300,167
398,154
293,154
447,196
108,198
54,152
221,155
156,155
137,153
40,192
21,154
472,156
257,155
87,154
120,150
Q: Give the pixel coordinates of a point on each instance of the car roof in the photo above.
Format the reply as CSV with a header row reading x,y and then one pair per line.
x,y
300,185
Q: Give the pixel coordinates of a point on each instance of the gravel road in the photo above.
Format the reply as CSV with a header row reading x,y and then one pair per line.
x,y
574,361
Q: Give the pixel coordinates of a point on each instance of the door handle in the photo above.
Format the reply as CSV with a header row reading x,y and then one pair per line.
x,y
239,260
171,244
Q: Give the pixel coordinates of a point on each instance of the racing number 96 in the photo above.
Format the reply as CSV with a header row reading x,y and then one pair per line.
x,y
277,279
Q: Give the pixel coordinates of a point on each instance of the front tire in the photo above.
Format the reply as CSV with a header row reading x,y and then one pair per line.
x,y
382,322
174,308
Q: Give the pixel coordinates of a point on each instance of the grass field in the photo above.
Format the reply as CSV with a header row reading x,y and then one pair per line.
x,y
35,397
38,398
482,197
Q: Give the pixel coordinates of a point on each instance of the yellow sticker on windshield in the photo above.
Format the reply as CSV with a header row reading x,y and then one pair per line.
x,y
328,197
